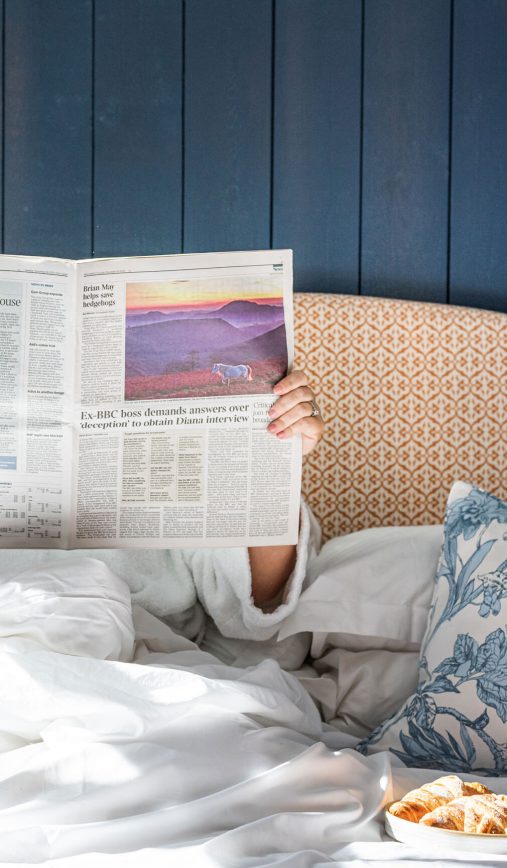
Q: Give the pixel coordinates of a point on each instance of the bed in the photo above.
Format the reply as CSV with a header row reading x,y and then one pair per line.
x,y
124,744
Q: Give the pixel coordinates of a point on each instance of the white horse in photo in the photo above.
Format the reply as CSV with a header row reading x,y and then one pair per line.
x,y
232,372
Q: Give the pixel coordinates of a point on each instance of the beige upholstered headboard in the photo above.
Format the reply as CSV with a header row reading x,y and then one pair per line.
x,y
415,397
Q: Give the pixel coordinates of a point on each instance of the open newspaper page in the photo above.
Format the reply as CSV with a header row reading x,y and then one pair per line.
x,y
176,366
37,299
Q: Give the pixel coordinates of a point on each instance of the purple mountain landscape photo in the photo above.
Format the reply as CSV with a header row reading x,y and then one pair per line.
x,y
187,353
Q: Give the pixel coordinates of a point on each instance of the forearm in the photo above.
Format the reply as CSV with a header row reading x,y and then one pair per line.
x,y
270,566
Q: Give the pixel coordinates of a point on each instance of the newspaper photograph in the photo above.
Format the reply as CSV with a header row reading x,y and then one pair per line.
x,y
165,390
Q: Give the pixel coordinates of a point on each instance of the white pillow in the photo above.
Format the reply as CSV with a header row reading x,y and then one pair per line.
x,y
74,606
369,589
370,684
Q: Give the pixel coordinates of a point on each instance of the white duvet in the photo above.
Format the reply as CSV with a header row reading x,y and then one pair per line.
x,y
123,744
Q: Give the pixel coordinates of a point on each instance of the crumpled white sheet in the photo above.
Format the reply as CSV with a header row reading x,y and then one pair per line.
x,y
177,759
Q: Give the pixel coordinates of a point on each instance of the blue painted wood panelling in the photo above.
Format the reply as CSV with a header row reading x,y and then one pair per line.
x,y
368,135
47,158
405,148
227,124
479,155
317,126
138,141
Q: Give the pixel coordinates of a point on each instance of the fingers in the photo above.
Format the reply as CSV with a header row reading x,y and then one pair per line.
x,y
298,421
283,418
293,389
291,381
292,411
302,394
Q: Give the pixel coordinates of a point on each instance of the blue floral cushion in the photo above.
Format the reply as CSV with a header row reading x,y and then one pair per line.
x,y
457,719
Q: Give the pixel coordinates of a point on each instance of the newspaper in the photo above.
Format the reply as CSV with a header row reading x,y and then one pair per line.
x,y
134,395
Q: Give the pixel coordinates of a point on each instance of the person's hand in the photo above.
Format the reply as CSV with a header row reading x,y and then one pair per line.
x,y
292,412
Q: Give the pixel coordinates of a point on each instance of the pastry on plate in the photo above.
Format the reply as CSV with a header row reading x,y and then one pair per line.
x,y
416,803
449,816
486,815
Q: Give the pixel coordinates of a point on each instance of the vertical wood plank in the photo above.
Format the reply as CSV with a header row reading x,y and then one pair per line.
x,y
405,148
227,124
478,272
47,157
317,140
138,151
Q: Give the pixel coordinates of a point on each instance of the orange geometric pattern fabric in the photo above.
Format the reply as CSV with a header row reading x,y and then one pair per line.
x,y
414,396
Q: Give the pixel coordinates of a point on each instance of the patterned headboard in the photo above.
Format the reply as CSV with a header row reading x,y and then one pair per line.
x,y
415,397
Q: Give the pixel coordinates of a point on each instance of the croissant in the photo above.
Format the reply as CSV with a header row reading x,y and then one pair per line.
x,y
416,803
486,815
449,816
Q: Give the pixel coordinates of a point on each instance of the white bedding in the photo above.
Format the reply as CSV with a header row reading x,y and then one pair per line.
x,y
177,759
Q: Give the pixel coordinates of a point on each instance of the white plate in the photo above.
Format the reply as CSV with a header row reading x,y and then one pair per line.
x,y
419,835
